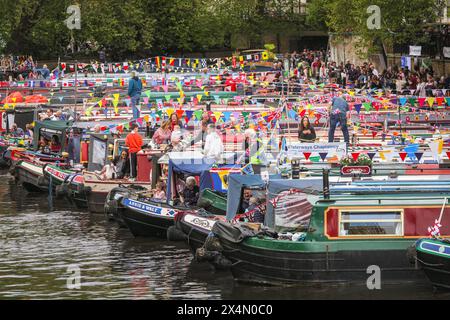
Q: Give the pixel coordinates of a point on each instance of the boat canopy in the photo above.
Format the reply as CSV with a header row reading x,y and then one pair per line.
x,y
190,167
289,210
236,184
58,128
98,150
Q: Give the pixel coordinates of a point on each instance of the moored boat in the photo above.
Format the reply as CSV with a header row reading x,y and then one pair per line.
x,y
433,256
336,240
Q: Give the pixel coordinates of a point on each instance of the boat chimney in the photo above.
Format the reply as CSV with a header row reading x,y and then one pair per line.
x,y
326,184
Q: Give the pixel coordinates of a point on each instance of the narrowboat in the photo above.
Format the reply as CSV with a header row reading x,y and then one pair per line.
x,y
433,256
145,216
339,236
29,166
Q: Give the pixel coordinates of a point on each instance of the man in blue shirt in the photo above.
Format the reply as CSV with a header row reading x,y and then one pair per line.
x,y
134,91
338,113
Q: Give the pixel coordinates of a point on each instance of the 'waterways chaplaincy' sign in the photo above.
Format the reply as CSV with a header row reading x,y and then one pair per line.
x,y
297,149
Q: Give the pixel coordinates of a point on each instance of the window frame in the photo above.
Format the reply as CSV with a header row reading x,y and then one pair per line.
x,y
374,211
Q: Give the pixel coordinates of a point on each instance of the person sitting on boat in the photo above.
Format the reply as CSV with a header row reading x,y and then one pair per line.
x,y
246,199
163,134
29,133
160,193
107,172
213,145
122,164
255,210
43,145
306,132
16,131
55,145
189,195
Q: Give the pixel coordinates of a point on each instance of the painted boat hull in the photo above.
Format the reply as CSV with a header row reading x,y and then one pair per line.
x,y
195,227
31,176
75,193
145,224
97,190
434,258
277,267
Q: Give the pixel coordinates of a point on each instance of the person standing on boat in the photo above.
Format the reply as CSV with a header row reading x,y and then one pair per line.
x,y
134,91
213,144
134,143
162,134
306,132
338,114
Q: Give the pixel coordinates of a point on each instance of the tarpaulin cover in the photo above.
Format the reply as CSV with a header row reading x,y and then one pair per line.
x,y
14,97
232,233
36,99
311,186
236,183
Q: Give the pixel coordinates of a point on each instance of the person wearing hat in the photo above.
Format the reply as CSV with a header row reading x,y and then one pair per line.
x,y
134,91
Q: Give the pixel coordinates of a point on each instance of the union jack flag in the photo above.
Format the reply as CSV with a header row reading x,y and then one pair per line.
x,y
435,231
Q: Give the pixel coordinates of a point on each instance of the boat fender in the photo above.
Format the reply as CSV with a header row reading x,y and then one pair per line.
x,y
175,234
202,255
221,263
212,243
82,189
111,207
61,191
13,171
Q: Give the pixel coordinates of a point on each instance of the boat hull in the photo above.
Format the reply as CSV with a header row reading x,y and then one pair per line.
x,y
434,258
145,224
257,264
196,228
31,176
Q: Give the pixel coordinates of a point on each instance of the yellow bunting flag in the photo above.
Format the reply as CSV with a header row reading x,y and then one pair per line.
x,y
217,115
169,111
430,101
199,97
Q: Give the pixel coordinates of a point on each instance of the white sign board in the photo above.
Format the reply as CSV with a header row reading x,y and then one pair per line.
x,y
415,51
297,149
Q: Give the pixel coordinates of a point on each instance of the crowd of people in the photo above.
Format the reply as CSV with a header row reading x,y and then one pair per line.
x,y
23,68
316,66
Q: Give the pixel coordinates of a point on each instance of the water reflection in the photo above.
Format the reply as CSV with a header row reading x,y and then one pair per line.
x,y
38,245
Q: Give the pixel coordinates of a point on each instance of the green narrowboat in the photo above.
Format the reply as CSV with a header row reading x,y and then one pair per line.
x,y
433,256
336,238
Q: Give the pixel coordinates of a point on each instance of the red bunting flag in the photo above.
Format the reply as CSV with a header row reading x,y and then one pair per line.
x,y
374,134
448,154
402,155
355,156
307,155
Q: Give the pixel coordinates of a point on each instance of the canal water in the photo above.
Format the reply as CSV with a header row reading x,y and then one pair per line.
x,y
43,246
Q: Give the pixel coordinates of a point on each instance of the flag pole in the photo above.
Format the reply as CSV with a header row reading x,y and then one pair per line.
x,y
442,210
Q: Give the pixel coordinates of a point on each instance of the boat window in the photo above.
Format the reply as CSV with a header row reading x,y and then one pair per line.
x,y
371,223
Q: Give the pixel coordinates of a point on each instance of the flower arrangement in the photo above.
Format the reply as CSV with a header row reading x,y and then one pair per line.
x,y
363,160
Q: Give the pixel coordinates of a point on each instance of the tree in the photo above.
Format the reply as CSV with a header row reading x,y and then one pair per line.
x,y
402,21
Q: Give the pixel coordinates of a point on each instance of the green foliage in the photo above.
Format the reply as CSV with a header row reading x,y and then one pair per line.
x,y
363,160
402,21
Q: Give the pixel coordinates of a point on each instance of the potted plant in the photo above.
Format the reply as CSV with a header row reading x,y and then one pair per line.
x,y
362,166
